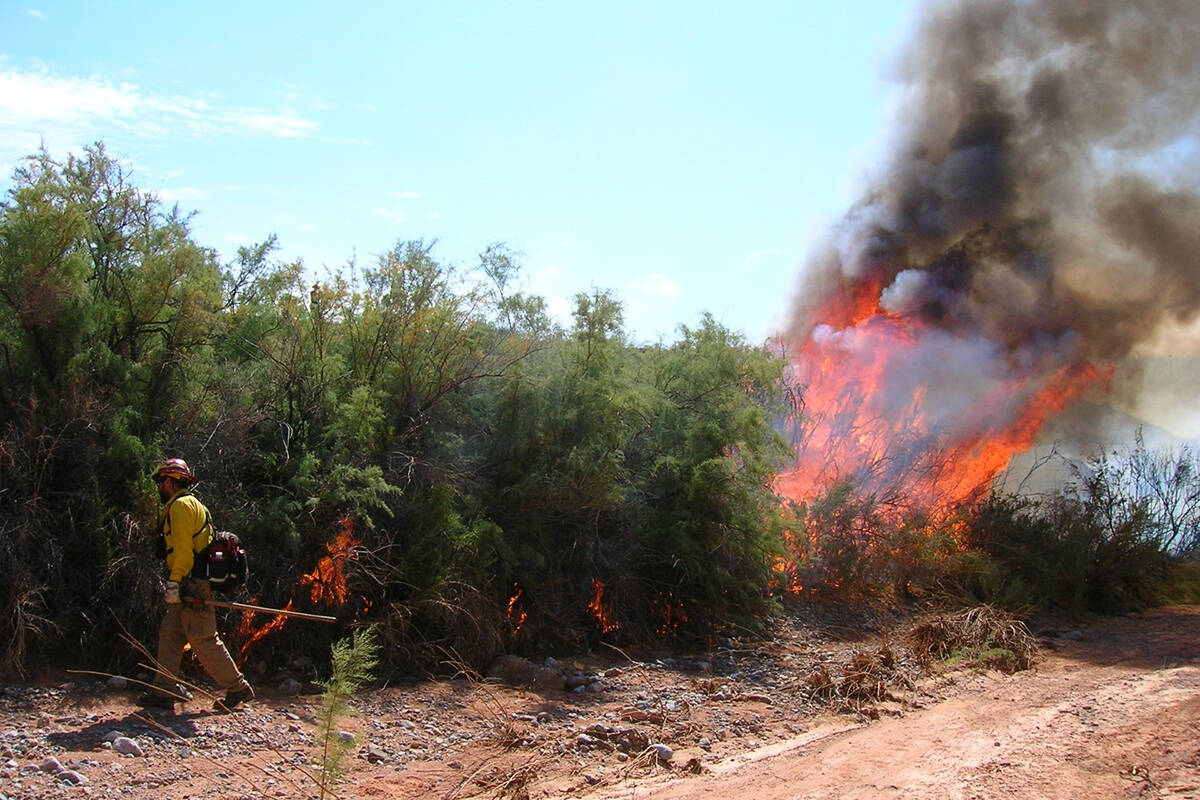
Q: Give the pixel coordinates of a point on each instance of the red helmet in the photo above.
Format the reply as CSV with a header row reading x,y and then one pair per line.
x,y
175,468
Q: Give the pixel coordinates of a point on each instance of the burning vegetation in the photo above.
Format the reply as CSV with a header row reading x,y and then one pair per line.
x,y
326,585
1034,234
1031,240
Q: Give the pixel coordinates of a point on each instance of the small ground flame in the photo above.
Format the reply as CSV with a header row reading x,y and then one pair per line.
x,y
251,634
516,613
327,582
599,611
326,585
671,614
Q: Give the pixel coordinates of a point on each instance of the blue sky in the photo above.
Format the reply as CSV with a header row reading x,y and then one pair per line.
x,y
685,155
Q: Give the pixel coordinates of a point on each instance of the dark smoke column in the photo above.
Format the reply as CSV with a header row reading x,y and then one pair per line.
x,y
1040,214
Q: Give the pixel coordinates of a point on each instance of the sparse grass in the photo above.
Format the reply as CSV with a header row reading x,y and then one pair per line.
x,y
508,735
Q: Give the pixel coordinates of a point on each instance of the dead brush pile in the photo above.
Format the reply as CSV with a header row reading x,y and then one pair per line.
x,y
867,678
981,636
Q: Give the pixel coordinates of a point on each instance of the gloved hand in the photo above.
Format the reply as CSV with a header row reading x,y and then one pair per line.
x,y
171,595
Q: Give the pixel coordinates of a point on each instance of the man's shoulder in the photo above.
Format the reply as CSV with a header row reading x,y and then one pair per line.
x,y
189,502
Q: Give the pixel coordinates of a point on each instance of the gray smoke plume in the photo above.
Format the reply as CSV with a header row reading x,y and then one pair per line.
x,y
1041,206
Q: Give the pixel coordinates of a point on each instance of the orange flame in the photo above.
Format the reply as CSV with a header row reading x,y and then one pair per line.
x,y
913,436
671,612
600,613
785,577
252,634
516,613
327,582
326,585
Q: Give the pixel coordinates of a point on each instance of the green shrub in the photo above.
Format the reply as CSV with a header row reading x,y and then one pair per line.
x,y
1076,552
1182,584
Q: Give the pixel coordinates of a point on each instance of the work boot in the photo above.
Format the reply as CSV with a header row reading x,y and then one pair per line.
x,y
233,698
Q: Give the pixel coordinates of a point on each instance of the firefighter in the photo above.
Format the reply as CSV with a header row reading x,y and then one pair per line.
x,y
186,529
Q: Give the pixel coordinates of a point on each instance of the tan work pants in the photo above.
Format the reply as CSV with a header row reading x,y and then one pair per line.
x,y
197,627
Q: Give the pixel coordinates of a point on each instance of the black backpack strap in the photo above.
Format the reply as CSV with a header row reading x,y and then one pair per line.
x,y
164,528
207,526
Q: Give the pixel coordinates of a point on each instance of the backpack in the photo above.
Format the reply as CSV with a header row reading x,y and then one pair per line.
x,y
224,563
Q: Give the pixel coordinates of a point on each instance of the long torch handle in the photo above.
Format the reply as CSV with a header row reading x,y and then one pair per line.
x,y
279,612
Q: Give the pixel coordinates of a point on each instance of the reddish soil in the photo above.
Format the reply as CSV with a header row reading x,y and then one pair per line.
x,y
1110,710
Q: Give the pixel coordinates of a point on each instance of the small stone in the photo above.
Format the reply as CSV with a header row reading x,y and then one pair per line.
x,y
375,755
346,737
662,752
72,777
126,746
456,764
51,764
575,681
112,736
117,682
290,687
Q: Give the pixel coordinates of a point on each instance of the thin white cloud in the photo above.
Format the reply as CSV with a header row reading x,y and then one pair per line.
x,y
35,13
655,284
70,111
285,126
386,213
176,194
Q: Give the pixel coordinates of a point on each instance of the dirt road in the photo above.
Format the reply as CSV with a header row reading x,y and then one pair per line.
x,y
1111,710
1115,714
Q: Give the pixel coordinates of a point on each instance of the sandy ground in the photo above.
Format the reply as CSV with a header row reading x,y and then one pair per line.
x,y
1114,715
1111,710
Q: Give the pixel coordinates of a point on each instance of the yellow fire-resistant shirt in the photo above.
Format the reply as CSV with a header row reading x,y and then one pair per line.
x,y
187,529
